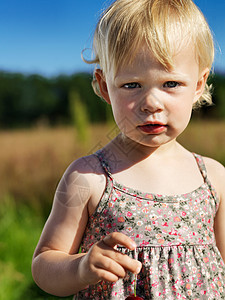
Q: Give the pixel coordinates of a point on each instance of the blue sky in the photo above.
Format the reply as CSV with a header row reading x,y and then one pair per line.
x,y
47,36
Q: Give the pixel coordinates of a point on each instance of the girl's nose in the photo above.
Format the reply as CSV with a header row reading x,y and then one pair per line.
x,y
151,103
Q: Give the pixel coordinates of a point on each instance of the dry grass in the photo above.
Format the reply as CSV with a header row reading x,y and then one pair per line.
x,y
206,138
32,161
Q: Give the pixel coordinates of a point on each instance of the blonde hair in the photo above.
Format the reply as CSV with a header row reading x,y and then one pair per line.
x,y
124,26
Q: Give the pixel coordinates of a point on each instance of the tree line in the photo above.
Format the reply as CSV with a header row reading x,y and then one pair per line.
x,y
26,100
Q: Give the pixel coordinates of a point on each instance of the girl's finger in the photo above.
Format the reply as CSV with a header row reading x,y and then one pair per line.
x,y
111,266
123,260
118,238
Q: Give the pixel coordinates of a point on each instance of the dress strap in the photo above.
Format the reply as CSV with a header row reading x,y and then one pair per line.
x,y
109,182
103,162
202,168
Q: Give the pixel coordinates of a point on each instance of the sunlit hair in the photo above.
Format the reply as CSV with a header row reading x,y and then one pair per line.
x,y
164,25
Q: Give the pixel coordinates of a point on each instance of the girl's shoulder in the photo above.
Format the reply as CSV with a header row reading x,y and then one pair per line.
x,y
84,178
216,174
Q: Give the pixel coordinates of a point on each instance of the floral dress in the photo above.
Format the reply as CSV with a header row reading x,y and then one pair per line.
x,y
174,236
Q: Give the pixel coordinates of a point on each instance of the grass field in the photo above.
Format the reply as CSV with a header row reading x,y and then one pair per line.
x,y
32,162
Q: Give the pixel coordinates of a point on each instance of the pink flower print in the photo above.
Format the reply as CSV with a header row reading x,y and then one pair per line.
x,y
161,241
129,229
129,214
118,193
185,227
219,283
177,219
173,232
155,284
98,288
149,196
122,204
121,220
188,286
202,216
183,213
109,225
139,236
199,225
155,223
213,267
139,223
165,224
145,210
154,217
144,243
170,261
206,259
148,228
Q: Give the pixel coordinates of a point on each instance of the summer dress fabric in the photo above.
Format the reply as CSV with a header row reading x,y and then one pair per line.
x,y
175,238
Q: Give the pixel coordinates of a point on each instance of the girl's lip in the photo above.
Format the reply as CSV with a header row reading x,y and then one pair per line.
x,y
153,127
153,123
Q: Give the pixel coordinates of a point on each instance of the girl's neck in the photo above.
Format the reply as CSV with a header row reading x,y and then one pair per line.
x,y
130,148
130,152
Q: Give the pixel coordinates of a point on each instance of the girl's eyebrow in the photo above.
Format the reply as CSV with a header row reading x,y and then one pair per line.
x,y
163,76
126,78
177,76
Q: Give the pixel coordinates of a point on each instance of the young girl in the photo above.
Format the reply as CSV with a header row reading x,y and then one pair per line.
x,y
147,214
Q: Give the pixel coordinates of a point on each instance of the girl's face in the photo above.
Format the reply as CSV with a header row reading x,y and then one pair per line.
x,y
152,105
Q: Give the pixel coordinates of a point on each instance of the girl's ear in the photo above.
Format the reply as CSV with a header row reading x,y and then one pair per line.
x,y
201,84
102,85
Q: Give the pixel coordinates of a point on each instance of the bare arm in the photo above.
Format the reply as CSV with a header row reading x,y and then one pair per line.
x,y
55,263
57,266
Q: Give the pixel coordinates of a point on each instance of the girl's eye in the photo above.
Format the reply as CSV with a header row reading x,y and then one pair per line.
x,y
171,84
131,85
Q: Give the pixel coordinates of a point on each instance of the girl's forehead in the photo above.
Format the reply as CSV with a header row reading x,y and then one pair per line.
x,y
144,53
144,60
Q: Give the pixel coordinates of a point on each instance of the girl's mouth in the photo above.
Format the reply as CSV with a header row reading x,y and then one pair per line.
x,y
154,128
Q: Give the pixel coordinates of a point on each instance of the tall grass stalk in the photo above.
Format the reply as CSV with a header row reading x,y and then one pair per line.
x,y
79,117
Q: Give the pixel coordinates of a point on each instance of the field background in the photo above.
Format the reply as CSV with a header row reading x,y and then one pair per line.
x,y
32,163
45,124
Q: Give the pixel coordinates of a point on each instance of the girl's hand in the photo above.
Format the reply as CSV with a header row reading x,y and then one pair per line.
x,y
104,262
